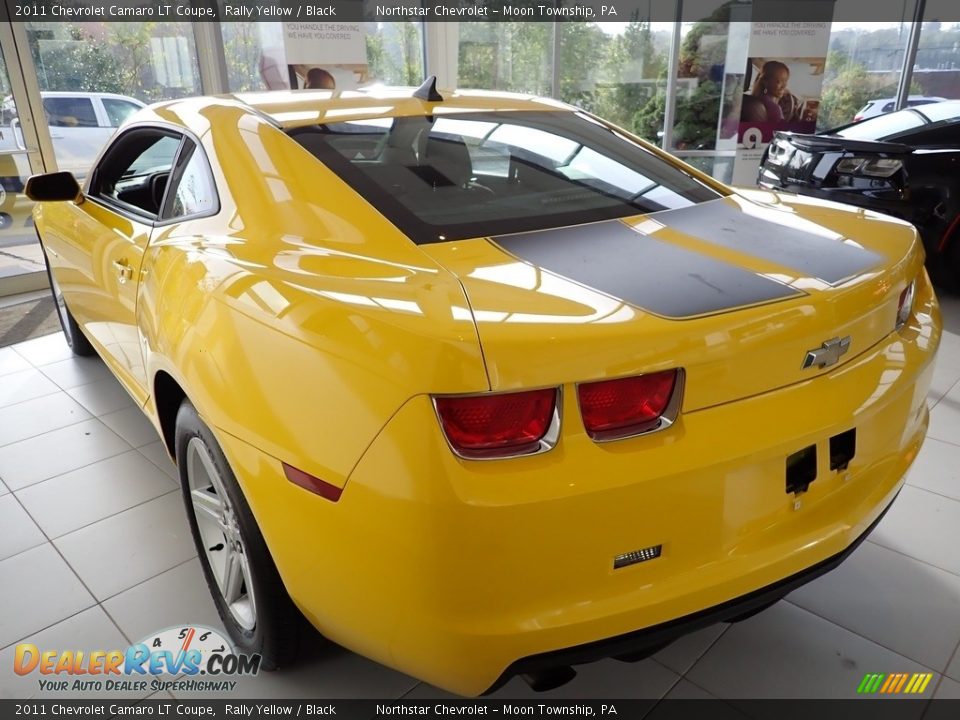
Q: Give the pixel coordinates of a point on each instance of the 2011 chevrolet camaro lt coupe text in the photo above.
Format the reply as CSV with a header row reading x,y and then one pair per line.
x,y
482,386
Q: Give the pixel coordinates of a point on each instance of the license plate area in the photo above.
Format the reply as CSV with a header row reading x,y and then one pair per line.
x,y
801,466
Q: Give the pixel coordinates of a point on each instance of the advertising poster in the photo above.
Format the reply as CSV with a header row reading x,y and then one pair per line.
x,y
317,56
782,83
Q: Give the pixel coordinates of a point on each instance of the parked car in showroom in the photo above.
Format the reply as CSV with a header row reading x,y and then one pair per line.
x,y
80,124
905,164
482,385
885,105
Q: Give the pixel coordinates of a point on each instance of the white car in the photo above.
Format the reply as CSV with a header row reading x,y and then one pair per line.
x,y
80,124
885,105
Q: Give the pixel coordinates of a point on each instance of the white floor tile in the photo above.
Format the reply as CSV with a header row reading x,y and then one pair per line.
x,y
76,371
947,690
157,454
80,497
945,418
676,705
88,631
924,526
937,468
132,425
35,417
326,671
143,541
11,362
3,488
787,652
953,669
896,601
45,350
58,451
17,531
39,589
102,397
682,654
24,385
946,371
177,597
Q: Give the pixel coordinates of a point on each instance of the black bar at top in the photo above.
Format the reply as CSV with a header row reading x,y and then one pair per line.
x,y
352,11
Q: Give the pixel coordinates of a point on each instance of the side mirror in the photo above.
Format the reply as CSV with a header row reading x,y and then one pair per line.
x,y
52,187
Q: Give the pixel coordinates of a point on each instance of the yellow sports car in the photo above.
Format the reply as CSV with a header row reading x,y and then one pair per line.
x,y
482,385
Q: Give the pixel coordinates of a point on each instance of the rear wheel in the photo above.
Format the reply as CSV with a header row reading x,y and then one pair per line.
x,y
246,587
71,331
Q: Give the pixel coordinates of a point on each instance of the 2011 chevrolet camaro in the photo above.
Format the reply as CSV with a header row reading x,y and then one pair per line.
x,y
482,385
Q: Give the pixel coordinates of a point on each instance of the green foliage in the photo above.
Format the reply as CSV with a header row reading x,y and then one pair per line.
x,y
75,63
241,49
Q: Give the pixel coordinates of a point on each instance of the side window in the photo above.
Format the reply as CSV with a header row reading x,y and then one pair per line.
x,y
193,189
70,112
118,110
134,172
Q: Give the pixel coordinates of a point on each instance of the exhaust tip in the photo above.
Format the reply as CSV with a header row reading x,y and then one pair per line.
x,y
549,679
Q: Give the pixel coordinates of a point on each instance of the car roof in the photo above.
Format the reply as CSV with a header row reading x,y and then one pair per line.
x,y
83,93
298,108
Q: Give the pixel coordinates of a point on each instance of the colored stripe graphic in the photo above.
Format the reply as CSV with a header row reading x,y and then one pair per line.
x,y
769,235
625,263
894,683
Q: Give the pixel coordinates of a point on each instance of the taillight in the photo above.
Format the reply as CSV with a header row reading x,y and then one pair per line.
x,y
905,305
499,425
614,409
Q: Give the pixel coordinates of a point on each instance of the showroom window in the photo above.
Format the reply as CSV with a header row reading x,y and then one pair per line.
x,y
862,72
936,71
142,62
260,56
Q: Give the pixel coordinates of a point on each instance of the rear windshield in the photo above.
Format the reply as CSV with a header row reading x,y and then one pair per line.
x,y
455,176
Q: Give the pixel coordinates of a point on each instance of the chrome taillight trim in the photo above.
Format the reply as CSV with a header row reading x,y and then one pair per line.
x,y
544,444
911,291
666,419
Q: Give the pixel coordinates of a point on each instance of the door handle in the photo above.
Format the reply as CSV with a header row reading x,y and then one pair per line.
x,y
124,271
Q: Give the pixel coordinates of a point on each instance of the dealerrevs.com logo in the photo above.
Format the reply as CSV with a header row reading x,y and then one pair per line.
x,y
187,652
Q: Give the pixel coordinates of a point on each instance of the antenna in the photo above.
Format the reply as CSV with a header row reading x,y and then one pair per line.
x,y
428,91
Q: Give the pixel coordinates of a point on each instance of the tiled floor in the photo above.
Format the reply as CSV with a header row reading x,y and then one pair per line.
x,y
95,552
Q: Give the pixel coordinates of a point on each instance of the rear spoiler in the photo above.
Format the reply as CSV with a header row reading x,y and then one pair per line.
x,y
836,143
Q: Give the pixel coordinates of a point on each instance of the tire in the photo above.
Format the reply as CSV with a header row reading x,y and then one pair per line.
x,y
251,600
71,331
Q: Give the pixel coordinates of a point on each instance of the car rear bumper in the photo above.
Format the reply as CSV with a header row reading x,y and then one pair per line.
x,y
461,571
642,643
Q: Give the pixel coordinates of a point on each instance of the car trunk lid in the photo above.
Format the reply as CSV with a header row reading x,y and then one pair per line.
x,y
735,292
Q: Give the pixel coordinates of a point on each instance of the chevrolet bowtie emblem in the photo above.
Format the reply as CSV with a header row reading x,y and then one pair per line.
x,y
827,354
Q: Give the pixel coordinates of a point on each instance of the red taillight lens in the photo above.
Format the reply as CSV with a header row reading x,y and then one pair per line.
x,y
497,425
617,408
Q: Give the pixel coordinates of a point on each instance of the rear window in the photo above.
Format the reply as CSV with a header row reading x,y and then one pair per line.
x,y
467,175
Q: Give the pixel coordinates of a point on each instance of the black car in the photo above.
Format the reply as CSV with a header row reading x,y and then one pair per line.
x,y
905,164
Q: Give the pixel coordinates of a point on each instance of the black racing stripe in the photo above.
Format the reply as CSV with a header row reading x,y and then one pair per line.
x,y
657,276
721,223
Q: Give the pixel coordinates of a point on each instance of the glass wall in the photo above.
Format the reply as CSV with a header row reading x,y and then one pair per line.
x,y
256,58
936,71
611,69
92,76
19,250
862,73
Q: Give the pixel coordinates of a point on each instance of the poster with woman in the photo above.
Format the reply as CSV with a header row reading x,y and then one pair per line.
x,y
780,89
